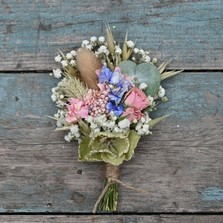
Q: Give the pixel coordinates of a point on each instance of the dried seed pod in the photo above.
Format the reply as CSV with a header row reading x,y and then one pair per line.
x,y
87,64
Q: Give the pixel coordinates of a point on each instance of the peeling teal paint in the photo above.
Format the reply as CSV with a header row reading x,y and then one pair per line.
x,y
213,194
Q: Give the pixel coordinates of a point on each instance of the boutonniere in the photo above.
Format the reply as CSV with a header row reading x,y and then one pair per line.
x,y
105,94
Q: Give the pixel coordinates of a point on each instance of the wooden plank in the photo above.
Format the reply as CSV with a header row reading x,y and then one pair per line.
x,y
111,218
189,31
180,164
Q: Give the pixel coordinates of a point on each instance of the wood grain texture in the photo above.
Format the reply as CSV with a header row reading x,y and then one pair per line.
x,y
111,219
180,164
189,31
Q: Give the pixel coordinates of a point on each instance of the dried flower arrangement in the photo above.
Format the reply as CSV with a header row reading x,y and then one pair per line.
x,y
104,97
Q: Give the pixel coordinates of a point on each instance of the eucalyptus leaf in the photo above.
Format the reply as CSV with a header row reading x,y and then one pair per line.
x,y
143,73
148,73
128,67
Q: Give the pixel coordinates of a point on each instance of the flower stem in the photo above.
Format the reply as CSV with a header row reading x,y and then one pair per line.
x,y
110,199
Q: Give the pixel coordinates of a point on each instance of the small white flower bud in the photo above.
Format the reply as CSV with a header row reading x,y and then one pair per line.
x,y
130,44
64,63
73,52
136,50
58,58
69,56
101,39
93,39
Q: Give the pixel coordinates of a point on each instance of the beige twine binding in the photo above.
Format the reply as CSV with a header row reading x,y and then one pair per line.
x,y
112,175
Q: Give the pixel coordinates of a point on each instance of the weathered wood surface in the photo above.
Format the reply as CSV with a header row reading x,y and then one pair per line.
x,y
180,164
112,219
189,31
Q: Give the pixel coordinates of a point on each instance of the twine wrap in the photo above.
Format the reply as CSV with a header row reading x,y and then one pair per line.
x,y
111,171
112,175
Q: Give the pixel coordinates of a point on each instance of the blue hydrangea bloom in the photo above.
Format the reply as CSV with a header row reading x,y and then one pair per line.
x,y
124,83
117,109
116,94
116,77
105,75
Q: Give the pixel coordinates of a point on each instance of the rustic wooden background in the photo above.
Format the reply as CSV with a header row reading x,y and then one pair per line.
x,y
181,164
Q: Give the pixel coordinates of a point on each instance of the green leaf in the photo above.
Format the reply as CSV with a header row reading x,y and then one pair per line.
x,y
127,67
148,73
109,158
133,140
84,128
111,135
143,73
99,145
168,74
64,128
84,151
121,145
163,66
157,120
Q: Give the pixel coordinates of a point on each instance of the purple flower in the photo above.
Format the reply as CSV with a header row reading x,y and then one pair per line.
x,y
119,80
124,83
105,75
116,77
117,109
116,94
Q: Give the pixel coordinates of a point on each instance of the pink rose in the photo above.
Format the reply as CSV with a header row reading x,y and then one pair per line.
x,y
137,99
132,114
76,109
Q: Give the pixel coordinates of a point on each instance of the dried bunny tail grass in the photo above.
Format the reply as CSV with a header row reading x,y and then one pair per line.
x,y
72,87
87,64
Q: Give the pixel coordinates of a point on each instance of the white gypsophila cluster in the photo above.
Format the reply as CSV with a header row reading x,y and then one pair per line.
x,y
64,63
73,134
93,41
103,50
154,60
141,56
142,126
101,39
124,124
118,50
60,115
90,44
57,97
152,104
161,92
58,58
108,124
73,53
57,73
65,60
130,44
73,62
69,56
143,86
